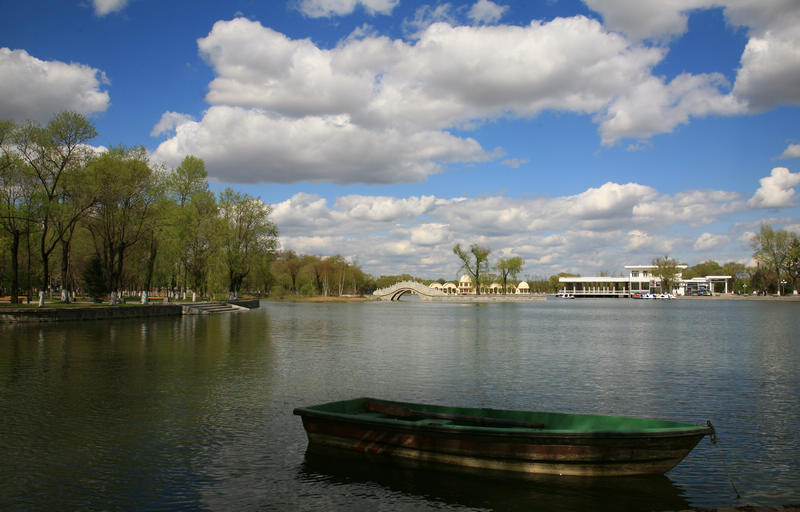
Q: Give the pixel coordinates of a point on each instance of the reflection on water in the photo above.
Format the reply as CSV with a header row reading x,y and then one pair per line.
x,y
196,412
492,490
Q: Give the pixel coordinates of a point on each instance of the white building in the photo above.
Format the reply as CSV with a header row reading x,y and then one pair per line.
x,y
465,287
640,279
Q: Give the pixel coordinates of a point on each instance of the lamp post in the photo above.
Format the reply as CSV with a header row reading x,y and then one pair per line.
x,y
744,288
783,285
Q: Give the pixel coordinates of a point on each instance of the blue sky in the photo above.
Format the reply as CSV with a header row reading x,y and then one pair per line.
x,y
579,135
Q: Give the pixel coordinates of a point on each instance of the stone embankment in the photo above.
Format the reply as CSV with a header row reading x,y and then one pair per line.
x,y
106,312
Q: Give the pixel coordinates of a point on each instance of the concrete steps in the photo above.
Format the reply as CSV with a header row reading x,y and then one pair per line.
x,y
211,308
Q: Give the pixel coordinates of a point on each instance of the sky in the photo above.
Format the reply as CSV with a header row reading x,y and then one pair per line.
x,y
579,135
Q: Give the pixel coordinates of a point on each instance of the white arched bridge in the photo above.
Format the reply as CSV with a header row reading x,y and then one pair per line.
x,y
397,290
427,293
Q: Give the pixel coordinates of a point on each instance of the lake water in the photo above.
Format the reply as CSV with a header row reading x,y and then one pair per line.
x,y
196,412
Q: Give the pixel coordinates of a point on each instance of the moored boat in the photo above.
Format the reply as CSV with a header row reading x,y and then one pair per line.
x,y
504,440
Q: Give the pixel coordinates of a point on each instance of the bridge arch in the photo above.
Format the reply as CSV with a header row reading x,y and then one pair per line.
x,y
397,290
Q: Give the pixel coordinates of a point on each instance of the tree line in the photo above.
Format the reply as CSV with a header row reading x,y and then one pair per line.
x,y
73,218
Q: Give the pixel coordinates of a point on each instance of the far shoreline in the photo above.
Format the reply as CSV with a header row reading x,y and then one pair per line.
x,y
731,296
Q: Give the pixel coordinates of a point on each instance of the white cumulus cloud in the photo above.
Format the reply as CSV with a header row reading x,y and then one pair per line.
x,y
486,11
330,8
600,229
770,64
169,122
791,151
252,146
412,95
36,89
384,208
709,241
103,7
776,190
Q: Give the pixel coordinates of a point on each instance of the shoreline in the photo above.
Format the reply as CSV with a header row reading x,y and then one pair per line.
x,y
730,296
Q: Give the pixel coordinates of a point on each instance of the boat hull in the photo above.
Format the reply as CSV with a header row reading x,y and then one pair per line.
x,y
525,451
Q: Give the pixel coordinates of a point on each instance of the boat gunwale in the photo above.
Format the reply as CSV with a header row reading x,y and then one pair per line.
x,y
684,430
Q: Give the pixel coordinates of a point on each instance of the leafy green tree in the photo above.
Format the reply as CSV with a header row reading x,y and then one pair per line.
x,y
16,196
475,262
706,268
248,232
771,248
154,229
289,265
667,270
125,191
94,279
738,274
792,264
192,226
56,153
188,179
319,269
262,278
509,267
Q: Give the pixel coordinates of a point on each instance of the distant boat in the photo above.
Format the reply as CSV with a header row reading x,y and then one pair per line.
x,y
502,440
652,296
565,295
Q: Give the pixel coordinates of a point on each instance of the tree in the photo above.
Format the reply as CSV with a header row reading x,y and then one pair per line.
x,y
154,228
125,190
292,265
475,262
320,269
193,224
667,270
94,279
341,271
509,267
247,232
738,273
771,248
707,268
792,264
188,179
55,153
15,200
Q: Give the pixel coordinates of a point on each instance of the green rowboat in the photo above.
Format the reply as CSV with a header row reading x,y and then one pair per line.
x,y
504,440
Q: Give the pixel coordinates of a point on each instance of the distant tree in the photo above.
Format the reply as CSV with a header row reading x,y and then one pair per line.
x,y
341,273
247,235
738,273
509,267
792,264
667,271
554,285
475,262
771,248
707,268
289,265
